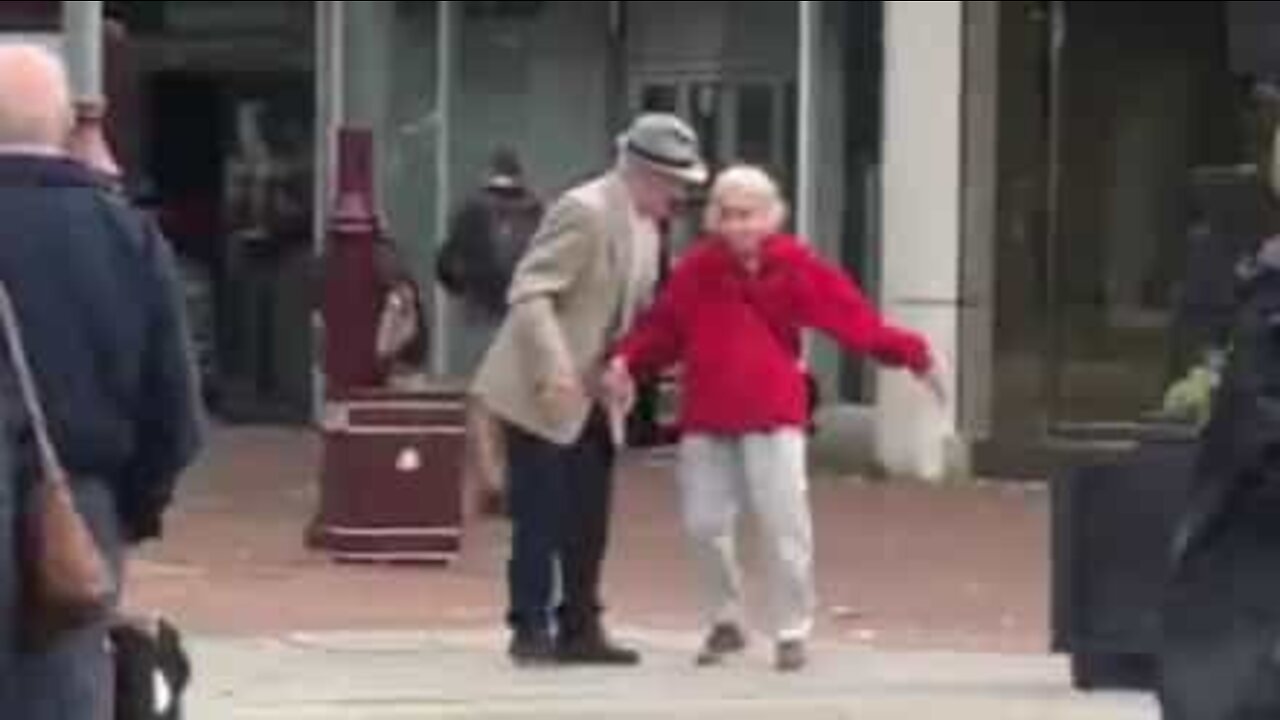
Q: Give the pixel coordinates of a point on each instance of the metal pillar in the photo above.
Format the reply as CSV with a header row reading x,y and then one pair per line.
x,y
82,29
444,161
807,127
807,114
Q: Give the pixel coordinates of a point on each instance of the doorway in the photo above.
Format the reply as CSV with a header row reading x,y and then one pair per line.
x,y
226,159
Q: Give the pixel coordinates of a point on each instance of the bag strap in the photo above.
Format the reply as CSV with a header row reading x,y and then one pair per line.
x,y
779,335
50,463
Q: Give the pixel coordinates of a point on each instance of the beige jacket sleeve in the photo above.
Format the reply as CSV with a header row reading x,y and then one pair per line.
x,y
557,256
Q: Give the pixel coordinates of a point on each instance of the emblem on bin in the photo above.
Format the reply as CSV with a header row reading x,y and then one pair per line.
x,y
409,461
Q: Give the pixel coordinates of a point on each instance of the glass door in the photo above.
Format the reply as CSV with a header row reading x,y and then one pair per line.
x,y
1142,103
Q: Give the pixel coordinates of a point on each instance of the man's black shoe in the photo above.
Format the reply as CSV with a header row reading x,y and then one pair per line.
x,y
532,649
596,651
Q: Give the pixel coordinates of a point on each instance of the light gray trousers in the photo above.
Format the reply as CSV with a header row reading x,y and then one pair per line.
x,y
718,476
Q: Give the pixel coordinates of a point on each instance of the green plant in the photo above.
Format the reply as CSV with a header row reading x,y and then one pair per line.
x,y
1191,398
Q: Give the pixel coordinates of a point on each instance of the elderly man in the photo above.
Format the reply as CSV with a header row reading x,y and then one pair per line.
x,y
589,269
96,293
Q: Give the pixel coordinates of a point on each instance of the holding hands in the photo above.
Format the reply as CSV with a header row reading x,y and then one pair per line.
x,y
619,386
619,397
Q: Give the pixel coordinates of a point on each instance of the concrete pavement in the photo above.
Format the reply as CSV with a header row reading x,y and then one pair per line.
x,y
281,633
455,674
900,566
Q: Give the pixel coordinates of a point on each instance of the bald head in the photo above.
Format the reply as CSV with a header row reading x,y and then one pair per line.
x,y
35,98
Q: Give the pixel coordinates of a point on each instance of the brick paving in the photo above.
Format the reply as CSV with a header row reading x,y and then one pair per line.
x,y
900,566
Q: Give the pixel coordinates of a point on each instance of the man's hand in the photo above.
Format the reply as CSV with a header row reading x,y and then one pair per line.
x,y
562,393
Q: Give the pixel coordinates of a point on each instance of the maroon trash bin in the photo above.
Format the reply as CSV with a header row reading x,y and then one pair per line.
x,y
392,478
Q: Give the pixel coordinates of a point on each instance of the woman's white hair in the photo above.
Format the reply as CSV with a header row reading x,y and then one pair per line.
x,y
35,96
751,184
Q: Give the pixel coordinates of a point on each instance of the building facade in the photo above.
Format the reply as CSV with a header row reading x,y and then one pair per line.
x,y
1020,180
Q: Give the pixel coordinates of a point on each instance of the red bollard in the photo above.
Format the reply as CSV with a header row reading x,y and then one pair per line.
x,y
392,476
351,292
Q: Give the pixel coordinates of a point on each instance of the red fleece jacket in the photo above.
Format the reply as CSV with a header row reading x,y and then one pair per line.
x,y
737,334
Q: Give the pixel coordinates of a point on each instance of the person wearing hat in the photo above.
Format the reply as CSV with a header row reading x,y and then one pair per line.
x,y
590,269
488,235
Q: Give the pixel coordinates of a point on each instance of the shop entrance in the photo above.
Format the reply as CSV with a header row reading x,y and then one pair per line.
x,y
225,132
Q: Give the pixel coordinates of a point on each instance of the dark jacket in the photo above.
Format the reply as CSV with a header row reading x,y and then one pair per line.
x,y
1240,449
98,296
1220,626
487,237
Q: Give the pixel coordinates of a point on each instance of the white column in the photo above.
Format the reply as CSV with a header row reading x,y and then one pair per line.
x,y
807,127
920,253
981,182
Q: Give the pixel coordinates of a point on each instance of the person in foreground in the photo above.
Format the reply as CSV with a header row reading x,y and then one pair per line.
x,y
732,316
96,294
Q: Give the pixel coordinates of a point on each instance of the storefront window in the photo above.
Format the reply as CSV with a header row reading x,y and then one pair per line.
x,y
660,98
1143,103
1126,199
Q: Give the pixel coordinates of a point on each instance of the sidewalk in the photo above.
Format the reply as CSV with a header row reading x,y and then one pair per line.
x,y
398,676
900,567
934,605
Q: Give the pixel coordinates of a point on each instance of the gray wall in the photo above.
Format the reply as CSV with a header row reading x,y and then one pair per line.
x,y
537,84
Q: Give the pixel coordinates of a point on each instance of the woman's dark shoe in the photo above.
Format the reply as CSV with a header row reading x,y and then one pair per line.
x,y
594,648
792,656
724,640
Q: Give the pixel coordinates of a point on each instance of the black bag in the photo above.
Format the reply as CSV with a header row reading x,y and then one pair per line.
x,y
815,398
152,670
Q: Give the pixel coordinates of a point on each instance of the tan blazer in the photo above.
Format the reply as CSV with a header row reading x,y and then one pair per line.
x,y
590,268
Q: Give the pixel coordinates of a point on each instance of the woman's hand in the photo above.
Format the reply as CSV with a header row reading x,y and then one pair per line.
x,y
932,379
619,386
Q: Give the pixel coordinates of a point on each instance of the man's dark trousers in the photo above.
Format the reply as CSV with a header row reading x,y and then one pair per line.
x,y
561,498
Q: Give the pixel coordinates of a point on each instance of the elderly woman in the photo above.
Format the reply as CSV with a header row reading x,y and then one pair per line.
x,y
732,315
96,293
